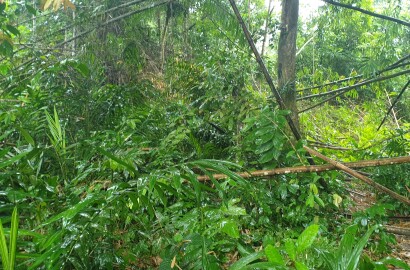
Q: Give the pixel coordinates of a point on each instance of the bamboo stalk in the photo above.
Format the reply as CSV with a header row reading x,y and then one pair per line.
x,y
384,17
362,83
359,176
315,168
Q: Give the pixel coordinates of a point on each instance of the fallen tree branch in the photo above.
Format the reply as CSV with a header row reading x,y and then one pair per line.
x,y
394,103
384,17
359,176
315,168
347,88
330,83
328,146
391,67
398,230
330,98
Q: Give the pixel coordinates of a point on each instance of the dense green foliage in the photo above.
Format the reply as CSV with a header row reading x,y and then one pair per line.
x,y
102,138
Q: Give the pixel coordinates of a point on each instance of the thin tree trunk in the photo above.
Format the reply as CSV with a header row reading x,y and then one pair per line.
x,y
275,92
287,56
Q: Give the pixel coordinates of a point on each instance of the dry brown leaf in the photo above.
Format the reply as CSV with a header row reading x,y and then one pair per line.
x,y
68,4
174,261
56,4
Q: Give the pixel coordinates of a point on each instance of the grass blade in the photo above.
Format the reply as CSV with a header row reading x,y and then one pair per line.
x,y
13,159
118,160
13,238
3,248
71,212
358,248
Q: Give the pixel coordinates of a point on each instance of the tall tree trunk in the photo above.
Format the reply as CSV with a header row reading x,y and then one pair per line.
x,y
287,56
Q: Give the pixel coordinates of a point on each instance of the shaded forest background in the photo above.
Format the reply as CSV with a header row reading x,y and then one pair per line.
x,y
111,111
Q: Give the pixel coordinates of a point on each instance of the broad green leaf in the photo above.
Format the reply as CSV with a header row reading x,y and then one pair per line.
x,y
244,250
26,136
319,201
300,266
161,195
267,157
274,255
264,148
71,212
6,45
266,265
13,159
313,188
395,262
310,201
264,130
306,238
230,227
264,138
245,261
232,210
83,69
118,160
13,30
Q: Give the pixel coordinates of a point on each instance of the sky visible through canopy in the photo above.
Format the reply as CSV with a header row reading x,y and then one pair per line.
x,y
306,7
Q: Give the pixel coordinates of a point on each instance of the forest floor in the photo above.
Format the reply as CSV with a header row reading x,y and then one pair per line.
x,y
397,225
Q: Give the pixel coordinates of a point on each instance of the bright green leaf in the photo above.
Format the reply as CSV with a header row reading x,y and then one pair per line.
x,y
230,227
274,255
306,238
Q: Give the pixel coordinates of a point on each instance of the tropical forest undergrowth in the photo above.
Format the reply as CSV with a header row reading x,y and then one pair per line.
x,y
103,142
